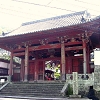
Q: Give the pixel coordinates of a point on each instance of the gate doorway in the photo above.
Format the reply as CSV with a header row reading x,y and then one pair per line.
x,y
52,70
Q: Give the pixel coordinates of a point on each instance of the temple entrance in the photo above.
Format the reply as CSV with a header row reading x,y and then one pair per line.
x,y
52,70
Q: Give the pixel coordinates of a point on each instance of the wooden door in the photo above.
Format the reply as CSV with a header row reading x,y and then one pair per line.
x,y
16,74
40,70
75,65
80,66
31,71
16,77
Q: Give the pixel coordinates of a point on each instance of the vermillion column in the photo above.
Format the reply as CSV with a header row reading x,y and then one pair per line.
x,y
11,67
26,64
84,59
63,60
35,73
88,60
22,70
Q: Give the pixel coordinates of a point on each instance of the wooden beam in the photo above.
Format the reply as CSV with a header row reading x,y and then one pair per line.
x,y
47,46
17,50
19,54
73,43
73,48
5,48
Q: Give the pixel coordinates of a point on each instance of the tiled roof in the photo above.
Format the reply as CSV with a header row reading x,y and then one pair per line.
x,y
50,23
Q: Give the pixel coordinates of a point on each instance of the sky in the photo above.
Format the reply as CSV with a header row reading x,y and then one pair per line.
x,y
15,12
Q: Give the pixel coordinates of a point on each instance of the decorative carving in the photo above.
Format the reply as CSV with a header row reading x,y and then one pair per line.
x,y
19,46
62,39
73,39
44,41
12,47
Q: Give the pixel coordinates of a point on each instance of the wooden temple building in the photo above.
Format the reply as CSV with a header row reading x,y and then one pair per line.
x,y
64,41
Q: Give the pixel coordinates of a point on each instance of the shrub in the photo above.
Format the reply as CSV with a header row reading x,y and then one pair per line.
x,y
69,90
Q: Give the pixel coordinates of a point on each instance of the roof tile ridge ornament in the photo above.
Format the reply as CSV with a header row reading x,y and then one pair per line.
x,y
86,17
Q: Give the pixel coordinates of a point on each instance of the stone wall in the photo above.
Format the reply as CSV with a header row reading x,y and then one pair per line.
x,y
97,77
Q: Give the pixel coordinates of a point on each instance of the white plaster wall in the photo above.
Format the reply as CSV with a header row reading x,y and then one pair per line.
x,y
5,65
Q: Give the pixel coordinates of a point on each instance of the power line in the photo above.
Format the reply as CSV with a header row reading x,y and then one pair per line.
x,y
20,16
49,2
79,6
61,8
14,15
22,11
52,7
26,13
43,5
87,3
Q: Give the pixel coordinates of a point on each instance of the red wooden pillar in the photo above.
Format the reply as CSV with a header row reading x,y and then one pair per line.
x,y
88,60
11,67
63,76
43,69
36,71
84,58
69,65
26,63
22,70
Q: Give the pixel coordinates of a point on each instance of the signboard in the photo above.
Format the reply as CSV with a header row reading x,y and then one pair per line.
x,y
75,83
97,57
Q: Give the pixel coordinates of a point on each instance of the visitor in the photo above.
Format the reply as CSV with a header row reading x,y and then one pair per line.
x,y
91,94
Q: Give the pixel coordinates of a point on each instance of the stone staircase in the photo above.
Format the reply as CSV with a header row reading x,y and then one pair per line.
x,y
33,89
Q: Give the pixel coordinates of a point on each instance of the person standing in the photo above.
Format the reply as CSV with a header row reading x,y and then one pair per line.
x,y
91,94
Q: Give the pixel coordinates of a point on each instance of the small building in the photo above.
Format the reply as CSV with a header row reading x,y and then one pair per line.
x,y
51,48
5,63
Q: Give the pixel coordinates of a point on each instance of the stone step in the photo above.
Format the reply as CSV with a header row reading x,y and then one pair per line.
x,y
32,94
33,89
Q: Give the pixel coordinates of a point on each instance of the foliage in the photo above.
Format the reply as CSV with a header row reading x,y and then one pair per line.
x,y
69,90
7,57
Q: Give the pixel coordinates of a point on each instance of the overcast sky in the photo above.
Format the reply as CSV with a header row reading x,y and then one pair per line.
x,y
15,12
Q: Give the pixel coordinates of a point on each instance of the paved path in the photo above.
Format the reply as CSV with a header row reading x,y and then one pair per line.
x,y
35,98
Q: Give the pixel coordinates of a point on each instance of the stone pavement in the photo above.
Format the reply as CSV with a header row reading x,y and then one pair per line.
x,y
37,98
42,99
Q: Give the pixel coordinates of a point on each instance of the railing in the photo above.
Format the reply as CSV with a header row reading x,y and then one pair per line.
x,y
80,76
4,85
83,84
